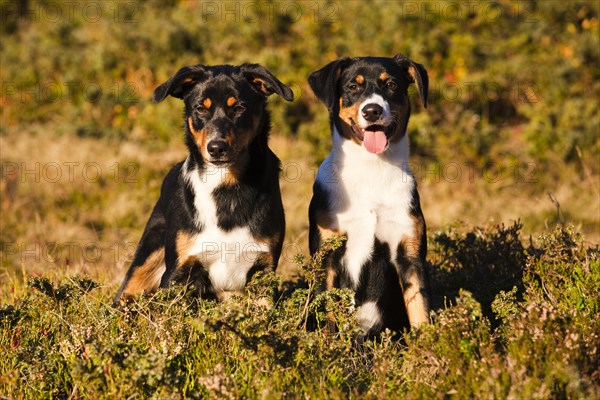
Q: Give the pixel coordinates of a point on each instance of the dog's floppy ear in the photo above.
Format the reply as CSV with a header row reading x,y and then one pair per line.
x,y
180,83
265,82
416,73
324,82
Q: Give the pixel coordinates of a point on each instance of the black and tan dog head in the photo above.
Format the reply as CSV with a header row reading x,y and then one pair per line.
x,y
224,108
367,97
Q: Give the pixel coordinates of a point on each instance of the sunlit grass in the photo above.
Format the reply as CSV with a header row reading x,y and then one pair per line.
x,y
537,339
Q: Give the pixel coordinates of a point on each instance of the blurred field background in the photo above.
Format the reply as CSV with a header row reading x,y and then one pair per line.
x,y
507,157
511,132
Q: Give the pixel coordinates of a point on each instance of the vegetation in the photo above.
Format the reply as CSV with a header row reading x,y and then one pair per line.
x,y
61,338
510,135
502,74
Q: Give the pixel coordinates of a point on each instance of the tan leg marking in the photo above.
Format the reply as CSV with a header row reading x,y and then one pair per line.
x,y
331,275
147,276
323,221
326,233
415,295
412,243
417,306
330,327
183,243
330,279
267,260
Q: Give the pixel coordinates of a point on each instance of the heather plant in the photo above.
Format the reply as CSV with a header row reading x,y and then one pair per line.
x,y
62,338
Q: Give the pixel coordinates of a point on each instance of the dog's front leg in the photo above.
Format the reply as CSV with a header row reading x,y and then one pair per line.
x,y
414,289
170,263
183,268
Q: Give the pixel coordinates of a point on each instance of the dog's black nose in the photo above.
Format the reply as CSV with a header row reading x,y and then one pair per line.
x,y
217,148
372,112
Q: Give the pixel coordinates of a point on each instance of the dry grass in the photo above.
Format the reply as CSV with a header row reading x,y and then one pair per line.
x,y
96,216
481,202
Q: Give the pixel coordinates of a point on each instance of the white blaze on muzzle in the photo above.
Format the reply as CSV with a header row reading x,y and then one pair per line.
x,y
374,141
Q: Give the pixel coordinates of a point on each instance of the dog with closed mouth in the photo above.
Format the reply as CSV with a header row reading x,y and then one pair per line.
x,y
365,190
219,218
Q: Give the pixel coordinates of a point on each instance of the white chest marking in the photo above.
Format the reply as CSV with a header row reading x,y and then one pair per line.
x,y
228,256
369,197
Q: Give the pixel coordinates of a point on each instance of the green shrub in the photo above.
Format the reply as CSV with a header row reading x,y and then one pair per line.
x,y
65,339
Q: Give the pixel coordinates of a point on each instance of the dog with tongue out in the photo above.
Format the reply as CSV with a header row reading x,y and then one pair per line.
x,y
365,191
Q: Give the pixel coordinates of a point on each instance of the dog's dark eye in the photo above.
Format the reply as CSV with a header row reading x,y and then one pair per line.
x,y
354,87
391,85
200,109
238,108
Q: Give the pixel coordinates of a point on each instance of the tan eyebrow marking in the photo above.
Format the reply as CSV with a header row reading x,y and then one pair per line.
x,y
359,79
207,102
384,76
231,101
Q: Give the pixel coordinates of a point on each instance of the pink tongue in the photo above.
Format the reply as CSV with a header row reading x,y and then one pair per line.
x,y
375,141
